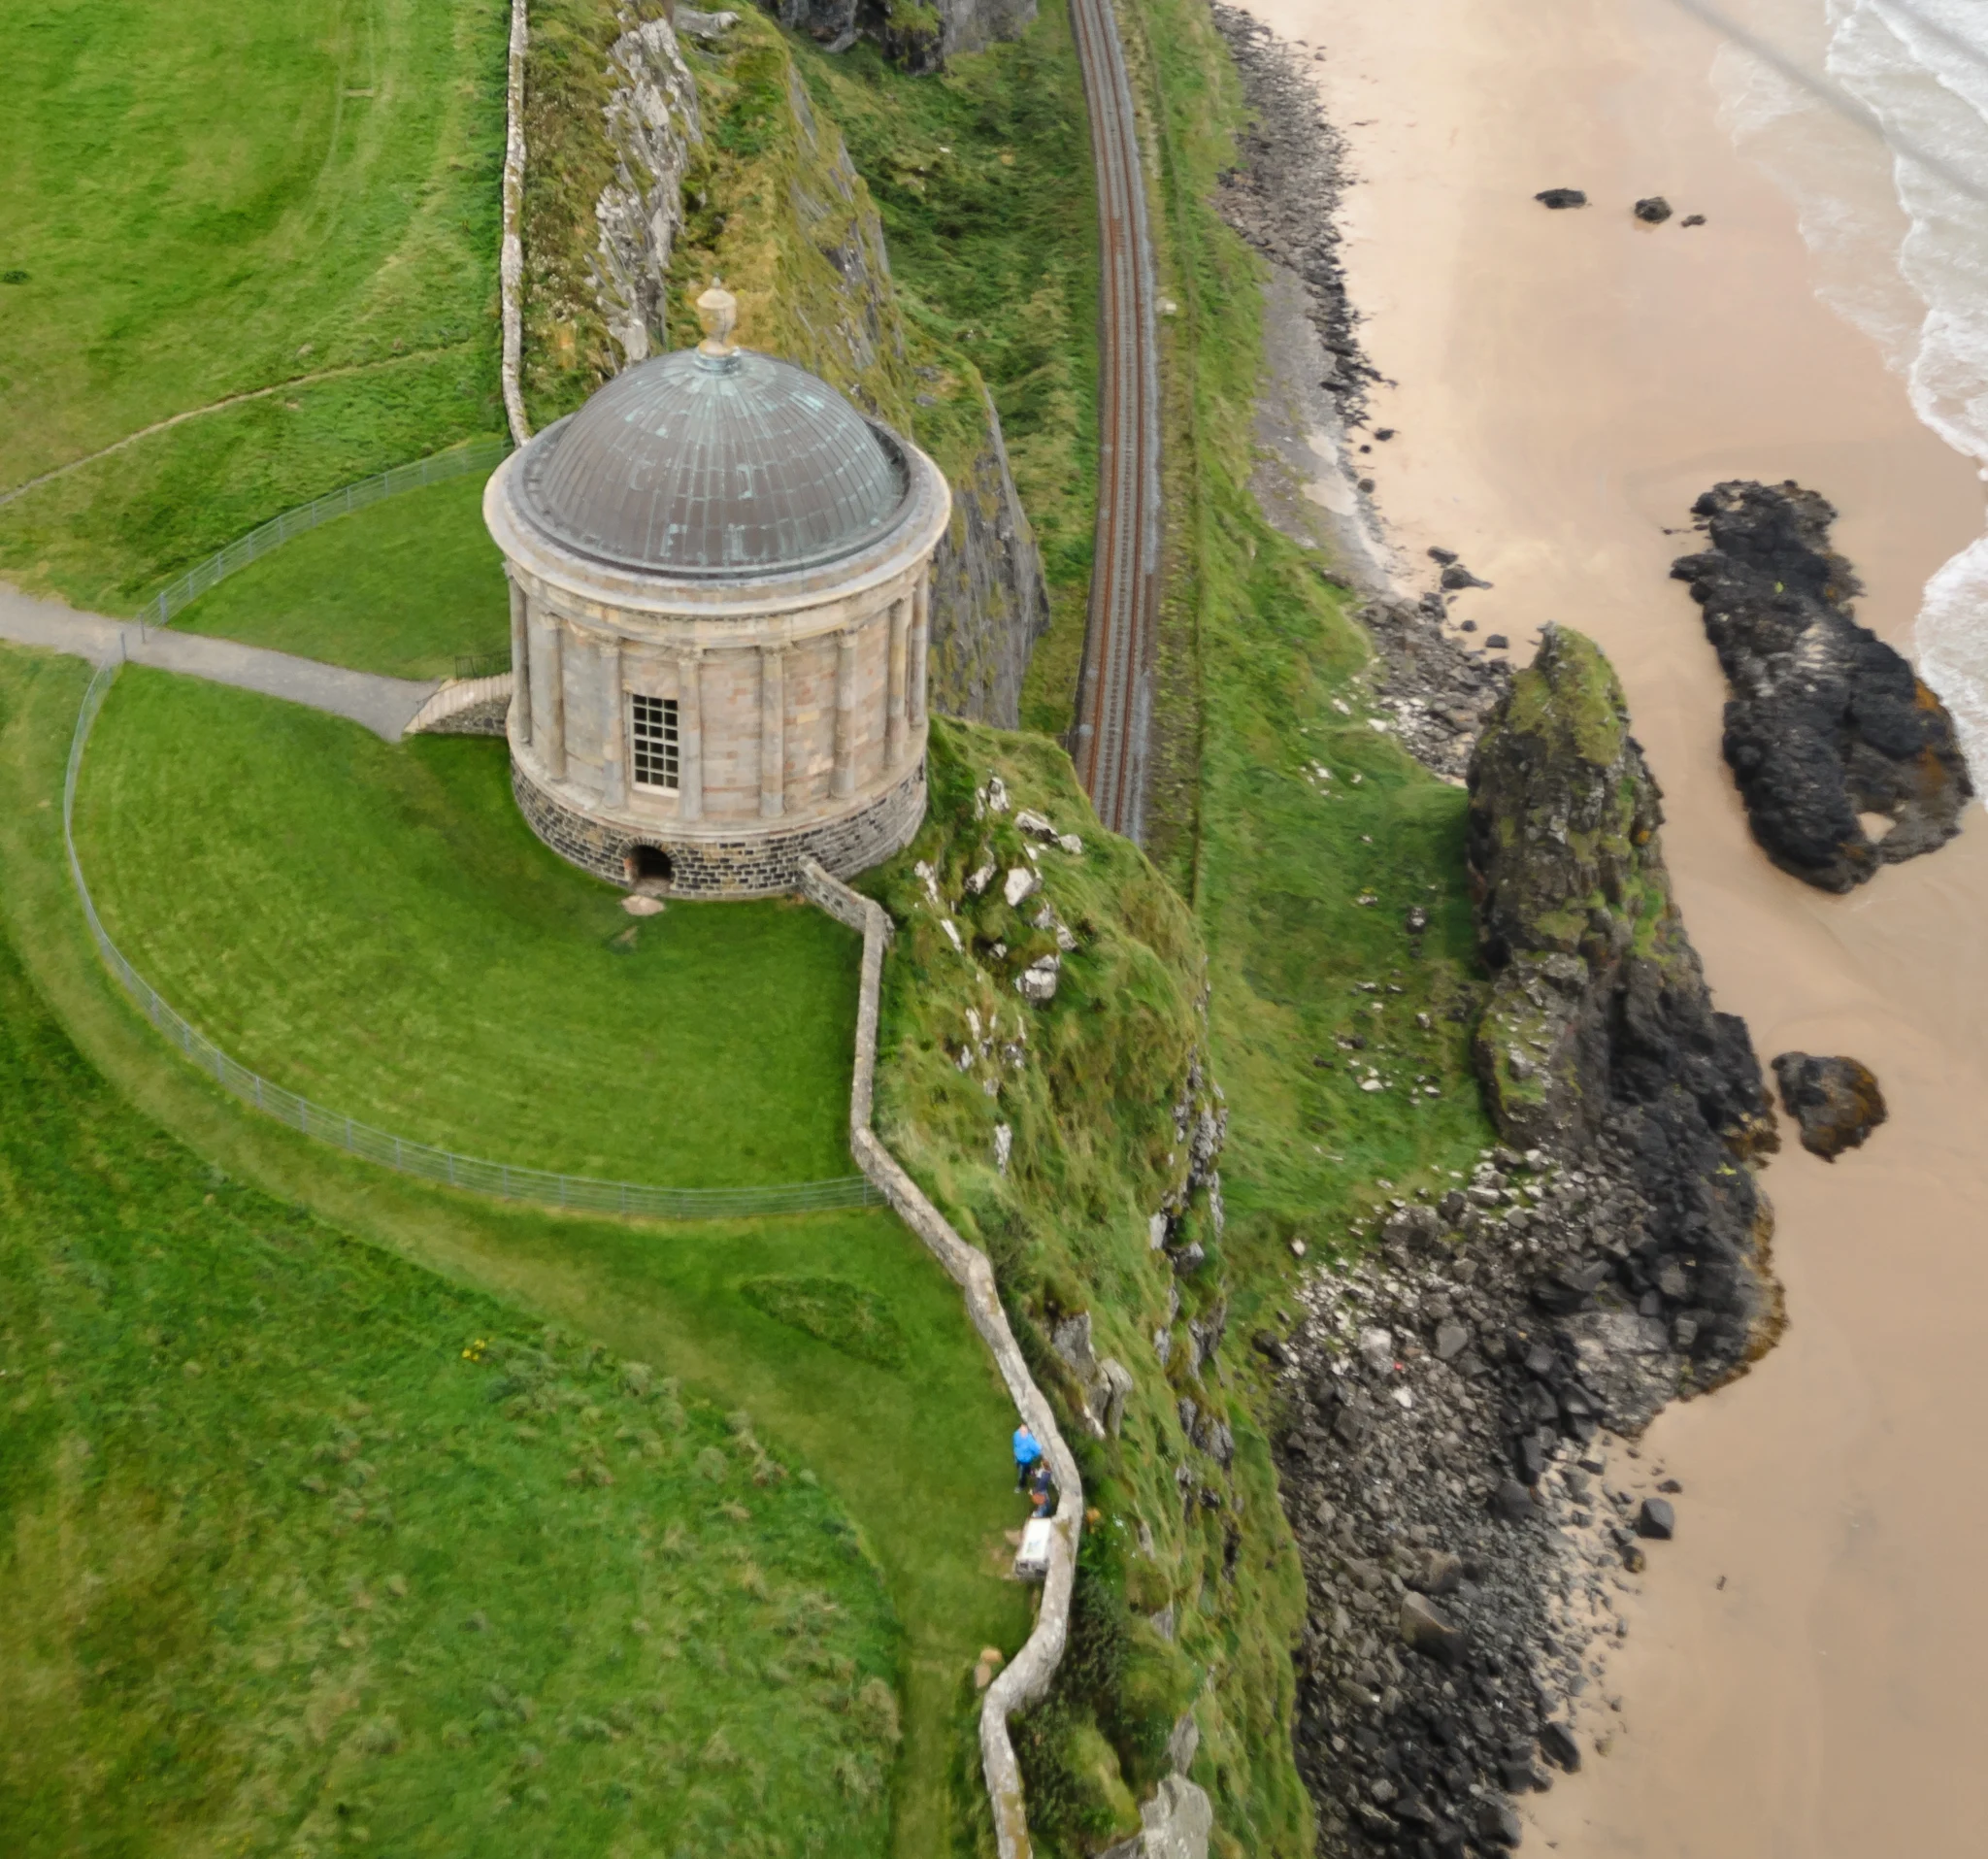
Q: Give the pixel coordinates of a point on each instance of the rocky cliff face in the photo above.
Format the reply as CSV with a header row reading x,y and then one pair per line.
x,y
1601,1033
1826,721
919,37
794,231
650,124
989,602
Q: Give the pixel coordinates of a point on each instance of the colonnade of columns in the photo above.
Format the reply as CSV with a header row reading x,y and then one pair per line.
x,y
539,704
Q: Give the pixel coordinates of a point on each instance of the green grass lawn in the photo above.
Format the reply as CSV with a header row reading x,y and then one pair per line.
x,y
402,586
913,1447
308,1549
217,197
374,927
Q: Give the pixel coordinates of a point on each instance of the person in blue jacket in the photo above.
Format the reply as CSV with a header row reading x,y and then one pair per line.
x,y
1027,1450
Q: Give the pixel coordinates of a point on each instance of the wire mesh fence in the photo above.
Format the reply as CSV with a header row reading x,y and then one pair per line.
x,y
505,1180
485,455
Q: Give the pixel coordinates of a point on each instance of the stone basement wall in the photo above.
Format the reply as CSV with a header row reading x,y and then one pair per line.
x,y
464,707
1025,1679
756,864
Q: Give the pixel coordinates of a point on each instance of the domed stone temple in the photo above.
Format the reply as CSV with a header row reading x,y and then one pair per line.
x,y
719,574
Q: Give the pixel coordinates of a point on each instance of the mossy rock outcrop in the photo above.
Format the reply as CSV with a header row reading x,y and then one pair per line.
x,y
1601,1030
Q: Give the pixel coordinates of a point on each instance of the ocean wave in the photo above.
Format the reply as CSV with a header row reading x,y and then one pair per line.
x,y
1900,245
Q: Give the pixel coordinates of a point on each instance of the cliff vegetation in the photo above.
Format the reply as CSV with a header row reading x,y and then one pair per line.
x,y
1045,1074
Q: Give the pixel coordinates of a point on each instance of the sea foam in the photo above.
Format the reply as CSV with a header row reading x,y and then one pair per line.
x,y
1890,183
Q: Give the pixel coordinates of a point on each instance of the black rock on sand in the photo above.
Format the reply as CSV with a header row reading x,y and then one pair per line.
x,y
1836,1101
1826,721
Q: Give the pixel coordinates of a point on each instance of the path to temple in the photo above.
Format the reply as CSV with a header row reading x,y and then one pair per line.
x,y
386,706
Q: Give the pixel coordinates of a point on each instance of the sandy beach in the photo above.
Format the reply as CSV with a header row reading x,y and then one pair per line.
x,y
1802,1676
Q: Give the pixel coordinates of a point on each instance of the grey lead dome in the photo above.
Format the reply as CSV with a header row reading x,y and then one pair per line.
x,y
700,464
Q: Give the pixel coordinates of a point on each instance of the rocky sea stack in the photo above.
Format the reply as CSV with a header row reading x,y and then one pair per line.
x,y
1456,1456
1826,721
1601,1030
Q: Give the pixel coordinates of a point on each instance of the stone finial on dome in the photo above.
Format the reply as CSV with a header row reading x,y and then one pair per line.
x,y
719,311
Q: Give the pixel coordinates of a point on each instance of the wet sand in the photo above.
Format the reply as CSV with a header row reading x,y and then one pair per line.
x,y
1567,383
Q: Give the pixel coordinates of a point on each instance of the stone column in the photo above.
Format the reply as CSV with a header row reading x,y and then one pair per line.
x,y
773,731
614,731
894,713
552,712
844,782
921,638
520,665
690,735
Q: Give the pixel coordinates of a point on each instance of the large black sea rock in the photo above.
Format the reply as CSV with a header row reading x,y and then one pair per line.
x,y
1826,721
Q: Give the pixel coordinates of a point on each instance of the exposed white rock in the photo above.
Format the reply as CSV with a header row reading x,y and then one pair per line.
x,y
1037,983
1020,883
705,26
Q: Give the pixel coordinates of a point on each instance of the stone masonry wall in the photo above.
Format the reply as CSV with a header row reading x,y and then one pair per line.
x,y
758,865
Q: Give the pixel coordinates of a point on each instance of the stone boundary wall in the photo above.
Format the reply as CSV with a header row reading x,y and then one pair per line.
x,y
511,252
1025,1679
464,707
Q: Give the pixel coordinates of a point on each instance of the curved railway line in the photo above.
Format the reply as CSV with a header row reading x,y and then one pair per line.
x,y
1114,695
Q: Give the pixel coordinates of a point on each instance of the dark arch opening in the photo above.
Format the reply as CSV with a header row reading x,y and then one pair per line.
x,y
648,865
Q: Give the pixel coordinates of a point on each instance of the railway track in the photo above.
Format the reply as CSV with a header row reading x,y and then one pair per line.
x,y
1115,699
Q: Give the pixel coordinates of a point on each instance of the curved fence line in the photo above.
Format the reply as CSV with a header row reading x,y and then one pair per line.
x,y
580,1192
442,466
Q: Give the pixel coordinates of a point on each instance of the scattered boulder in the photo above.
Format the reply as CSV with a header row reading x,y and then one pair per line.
x,y
1654,211
1437,1572
1037,983
1425,1628
1455,577
1176,1822
1826,723
1512,1501
1558,1744
1497,643
1656,1520
1498,1825
1692,219
1561,198
703,25
1836,1101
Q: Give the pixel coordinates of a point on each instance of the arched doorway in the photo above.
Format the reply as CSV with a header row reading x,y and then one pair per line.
x,y
648,867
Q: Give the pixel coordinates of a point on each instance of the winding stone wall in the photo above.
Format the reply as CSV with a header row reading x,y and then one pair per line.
x,y
1026,1678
